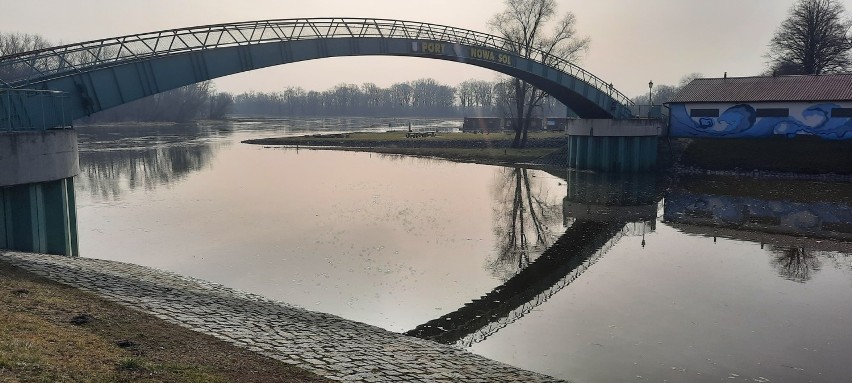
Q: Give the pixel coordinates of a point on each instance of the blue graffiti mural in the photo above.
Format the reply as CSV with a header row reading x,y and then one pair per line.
x,y
741,121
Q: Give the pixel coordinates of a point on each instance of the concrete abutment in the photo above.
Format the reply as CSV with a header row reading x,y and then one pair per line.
x,y
37,201
613,146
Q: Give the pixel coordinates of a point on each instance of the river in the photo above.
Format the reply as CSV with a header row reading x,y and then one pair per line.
x,y
592,279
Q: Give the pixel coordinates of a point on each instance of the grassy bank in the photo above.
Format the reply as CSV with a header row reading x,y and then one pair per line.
x,y
481,148
53,333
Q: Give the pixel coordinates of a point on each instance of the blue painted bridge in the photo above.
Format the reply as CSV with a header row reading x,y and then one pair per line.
x,y
101,74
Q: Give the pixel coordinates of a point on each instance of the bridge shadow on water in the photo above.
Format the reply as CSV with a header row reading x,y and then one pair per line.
x,y
599,210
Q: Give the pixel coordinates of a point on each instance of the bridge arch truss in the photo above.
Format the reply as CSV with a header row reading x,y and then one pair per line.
x,y
108,72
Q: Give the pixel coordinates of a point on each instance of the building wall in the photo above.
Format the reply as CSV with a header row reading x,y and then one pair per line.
x,y
743,120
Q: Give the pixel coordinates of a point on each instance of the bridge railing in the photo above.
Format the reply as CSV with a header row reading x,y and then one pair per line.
x,y
19,70
30,109
650,111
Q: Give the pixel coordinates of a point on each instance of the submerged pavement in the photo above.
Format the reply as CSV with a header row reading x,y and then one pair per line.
x,y
325,344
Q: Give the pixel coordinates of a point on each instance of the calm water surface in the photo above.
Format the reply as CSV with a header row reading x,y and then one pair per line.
x,y
703,280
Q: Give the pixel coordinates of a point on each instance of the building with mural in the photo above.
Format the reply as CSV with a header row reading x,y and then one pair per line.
x,y
766,106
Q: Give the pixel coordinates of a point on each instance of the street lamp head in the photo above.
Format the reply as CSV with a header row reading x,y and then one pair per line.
x,y
650,89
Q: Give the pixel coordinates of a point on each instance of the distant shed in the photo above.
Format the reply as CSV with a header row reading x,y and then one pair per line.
x,y
482,125
741,107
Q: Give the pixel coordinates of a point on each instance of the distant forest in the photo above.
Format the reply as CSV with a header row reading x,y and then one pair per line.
x,y
191,102
420,98
424,97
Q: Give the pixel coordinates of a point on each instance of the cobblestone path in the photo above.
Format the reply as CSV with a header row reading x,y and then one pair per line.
x,y
328,345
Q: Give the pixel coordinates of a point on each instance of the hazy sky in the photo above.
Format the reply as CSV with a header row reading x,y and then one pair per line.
x,y
632,41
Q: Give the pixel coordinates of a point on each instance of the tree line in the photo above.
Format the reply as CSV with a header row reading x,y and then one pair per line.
x,y
191,102
424,97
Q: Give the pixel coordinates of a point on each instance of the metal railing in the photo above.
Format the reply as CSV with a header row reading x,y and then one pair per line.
x,y
20,70
650,111
31,109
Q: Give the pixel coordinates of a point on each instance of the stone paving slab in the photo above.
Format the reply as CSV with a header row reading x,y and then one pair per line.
x,y
325,344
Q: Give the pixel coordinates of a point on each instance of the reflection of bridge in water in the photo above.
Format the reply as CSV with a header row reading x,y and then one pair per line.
x,y
600,225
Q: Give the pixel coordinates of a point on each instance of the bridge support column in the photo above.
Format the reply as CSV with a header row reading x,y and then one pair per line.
x,y
613,146
37,200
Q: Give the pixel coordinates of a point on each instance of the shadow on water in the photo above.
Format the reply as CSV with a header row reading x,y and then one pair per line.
x,y
802,224
601,210
118,159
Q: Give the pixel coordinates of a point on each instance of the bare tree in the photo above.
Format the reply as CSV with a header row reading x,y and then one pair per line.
x,y
14,43
524,23
220,105
814,39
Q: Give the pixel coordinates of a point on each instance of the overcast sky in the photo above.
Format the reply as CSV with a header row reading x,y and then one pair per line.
x,y
632,41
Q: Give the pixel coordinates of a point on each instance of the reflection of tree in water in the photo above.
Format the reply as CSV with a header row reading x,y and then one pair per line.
x,y
526,222
796,263
129,161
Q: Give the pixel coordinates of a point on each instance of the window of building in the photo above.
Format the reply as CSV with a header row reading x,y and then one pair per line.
x,y
704,113
841,112
773,112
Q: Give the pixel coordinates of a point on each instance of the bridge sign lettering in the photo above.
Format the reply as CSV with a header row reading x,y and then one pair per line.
x,y
487,54
428,47
432,47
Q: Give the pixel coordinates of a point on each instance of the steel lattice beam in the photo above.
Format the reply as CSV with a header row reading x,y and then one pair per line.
x,y
44,68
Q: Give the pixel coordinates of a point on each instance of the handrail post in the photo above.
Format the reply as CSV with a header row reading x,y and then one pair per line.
x,y
41,103
9,107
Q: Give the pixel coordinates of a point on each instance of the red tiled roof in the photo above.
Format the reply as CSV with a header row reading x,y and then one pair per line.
x,y
833,87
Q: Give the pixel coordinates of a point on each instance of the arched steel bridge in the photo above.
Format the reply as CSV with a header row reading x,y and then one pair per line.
x,y
104,73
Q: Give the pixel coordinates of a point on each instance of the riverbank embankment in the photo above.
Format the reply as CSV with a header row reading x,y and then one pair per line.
x,y
322,344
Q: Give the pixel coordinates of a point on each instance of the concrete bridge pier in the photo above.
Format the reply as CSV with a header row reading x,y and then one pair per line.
x,y
613,146
37,202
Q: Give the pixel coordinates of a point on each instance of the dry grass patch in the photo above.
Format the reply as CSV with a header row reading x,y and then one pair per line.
x,y
40,342
467,147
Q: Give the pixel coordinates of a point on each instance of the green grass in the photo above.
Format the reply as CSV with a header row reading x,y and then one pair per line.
x,y
485,155
482,148
400,135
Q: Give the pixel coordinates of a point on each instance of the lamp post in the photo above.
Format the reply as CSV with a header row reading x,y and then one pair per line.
x,y
650,88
